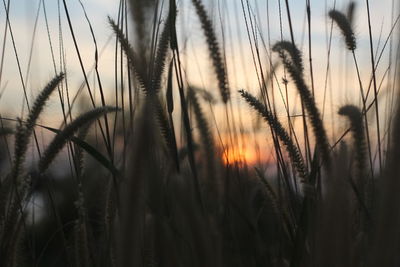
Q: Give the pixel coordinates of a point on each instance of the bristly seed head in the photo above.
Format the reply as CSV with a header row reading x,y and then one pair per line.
x,y
345,26
292,50
214,50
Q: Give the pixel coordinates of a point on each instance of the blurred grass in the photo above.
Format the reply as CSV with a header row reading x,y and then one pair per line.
x,y
166,180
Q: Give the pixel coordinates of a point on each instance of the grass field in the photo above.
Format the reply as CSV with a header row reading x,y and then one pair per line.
x,y
200,133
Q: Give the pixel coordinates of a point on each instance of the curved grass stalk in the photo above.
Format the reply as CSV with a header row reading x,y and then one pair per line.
x,y
357,128
311,108
63,136
24,131
345,26
273,122
213,49
292,50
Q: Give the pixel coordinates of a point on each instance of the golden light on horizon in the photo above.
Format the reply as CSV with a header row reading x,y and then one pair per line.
x,y
245,151
238,156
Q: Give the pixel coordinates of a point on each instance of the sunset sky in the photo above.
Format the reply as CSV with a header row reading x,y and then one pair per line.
x,y
229,19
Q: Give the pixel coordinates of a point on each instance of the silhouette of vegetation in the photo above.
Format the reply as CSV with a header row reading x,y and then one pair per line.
x,y
152,177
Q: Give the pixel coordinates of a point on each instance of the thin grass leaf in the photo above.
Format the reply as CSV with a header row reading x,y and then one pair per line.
x,y
64,135
169,94
91,151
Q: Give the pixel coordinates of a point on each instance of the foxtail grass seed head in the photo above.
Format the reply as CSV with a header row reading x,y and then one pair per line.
x,y
357,128
161,55
351,11
213,49
130,54
41,99
273,122
310,106
345,26
292,50
24,131
204,129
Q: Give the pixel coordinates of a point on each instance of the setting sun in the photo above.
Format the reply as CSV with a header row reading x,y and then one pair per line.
x,y
240,155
